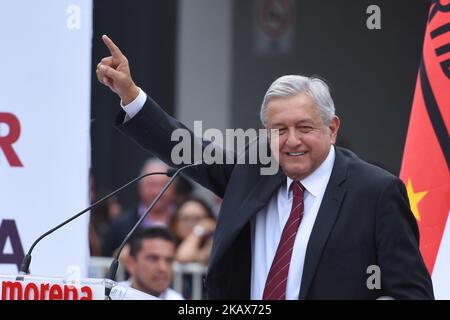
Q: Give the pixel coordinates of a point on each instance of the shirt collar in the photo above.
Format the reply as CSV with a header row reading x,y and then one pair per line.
x,y
163,295
315,181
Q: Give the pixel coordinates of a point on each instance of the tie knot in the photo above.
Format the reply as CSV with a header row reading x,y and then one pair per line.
x,y
297,189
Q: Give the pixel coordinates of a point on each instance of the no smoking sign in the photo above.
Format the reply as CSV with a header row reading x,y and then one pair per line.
x,y
275,20
275,17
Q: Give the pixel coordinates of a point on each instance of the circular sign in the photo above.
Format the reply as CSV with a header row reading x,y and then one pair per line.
x,y
275,17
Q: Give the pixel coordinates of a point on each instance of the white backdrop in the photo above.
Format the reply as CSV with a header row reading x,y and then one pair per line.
x,y
441,274
45,56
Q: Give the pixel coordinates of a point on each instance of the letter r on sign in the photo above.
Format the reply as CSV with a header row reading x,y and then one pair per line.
x,y
7,141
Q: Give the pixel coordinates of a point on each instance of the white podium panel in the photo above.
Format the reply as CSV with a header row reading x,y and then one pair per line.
x,y
26,287
42,288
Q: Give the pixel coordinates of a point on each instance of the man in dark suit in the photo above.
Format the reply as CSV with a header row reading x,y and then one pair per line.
x,y
148,189
326,226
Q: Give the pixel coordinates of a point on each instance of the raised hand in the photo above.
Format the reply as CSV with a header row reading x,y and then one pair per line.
x,y
114,72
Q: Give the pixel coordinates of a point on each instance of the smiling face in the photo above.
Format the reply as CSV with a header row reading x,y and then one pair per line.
x,y
303,138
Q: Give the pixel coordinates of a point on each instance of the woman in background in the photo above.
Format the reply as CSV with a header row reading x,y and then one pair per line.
x,y
193,226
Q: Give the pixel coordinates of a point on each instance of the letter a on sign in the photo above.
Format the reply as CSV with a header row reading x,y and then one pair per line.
x,y
8,230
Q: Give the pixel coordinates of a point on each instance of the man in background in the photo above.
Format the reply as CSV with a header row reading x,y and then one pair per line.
x,y
148,189
151,256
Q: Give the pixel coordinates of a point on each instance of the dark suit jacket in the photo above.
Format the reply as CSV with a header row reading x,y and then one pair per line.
x,y
364,220
118,230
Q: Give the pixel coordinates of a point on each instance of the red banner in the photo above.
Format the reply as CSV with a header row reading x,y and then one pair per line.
x,y
426,159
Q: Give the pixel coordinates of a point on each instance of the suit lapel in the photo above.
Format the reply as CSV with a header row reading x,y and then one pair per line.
x,y
324,223
256,199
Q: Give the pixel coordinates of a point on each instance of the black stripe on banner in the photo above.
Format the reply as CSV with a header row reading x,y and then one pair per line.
x,y
443,49
438,7
441,30
433,11
435,114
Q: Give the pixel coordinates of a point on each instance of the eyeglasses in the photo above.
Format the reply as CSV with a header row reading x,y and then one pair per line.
x,y
191,219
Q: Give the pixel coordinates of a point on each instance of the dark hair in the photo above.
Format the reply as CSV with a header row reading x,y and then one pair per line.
x,y
100,217
202,203
147,234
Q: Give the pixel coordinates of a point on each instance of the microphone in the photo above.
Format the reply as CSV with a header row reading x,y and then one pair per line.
x,y
25,267
115,263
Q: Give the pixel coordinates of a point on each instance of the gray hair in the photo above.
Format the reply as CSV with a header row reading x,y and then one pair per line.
x,y
292,85
153,162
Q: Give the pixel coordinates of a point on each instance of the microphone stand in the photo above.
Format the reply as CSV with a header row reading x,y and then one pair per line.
x,y
25,266
115,263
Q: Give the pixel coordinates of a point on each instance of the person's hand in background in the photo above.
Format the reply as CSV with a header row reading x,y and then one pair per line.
x,y
197,246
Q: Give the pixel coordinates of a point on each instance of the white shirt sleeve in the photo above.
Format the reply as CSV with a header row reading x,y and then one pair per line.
x,y
134,106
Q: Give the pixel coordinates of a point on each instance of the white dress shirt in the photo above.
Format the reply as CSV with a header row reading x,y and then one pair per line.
x,y
168,294
134,106
268,223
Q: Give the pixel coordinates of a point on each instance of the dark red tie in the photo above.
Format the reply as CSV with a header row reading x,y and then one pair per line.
x,y
275,288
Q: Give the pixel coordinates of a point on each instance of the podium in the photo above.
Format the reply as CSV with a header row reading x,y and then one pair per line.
x,y
27,287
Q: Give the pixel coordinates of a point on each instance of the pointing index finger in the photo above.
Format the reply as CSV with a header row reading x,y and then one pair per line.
x,y
115,51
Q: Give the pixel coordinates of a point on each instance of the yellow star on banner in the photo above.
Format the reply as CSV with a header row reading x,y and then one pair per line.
x,y
414,199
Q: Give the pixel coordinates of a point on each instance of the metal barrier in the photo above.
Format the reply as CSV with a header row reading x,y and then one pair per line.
x,y
99,266
197,271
